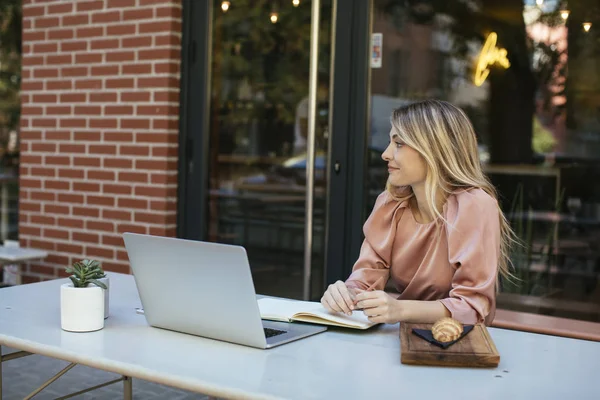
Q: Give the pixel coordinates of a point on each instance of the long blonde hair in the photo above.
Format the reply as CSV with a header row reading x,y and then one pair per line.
x,y
444,136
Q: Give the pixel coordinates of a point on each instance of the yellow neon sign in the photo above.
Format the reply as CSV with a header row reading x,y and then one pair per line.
x,y
489,55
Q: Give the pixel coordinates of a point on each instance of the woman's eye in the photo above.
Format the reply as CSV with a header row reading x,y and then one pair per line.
x,y
398,145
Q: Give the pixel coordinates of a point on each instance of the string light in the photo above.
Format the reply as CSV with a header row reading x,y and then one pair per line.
x,y
587,26
225,6
274,17
296,3
564,14
539,2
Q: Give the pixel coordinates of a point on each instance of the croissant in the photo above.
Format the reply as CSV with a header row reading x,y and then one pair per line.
x,y
446,329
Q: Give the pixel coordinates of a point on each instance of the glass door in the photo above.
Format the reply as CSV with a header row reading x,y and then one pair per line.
x,y
268,138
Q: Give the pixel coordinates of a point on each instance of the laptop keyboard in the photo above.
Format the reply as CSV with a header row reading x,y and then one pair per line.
x,y
273,332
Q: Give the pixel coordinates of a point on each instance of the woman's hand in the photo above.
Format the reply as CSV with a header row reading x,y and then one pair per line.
x,y
379,306
339,298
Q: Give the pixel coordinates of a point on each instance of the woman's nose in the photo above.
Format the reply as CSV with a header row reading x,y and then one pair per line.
x,y
386,154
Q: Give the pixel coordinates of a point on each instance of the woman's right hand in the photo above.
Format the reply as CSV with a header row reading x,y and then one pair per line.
x,y
339,298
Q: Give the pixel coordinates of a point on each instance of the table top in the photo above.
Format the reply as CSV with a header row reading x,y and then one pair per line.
x,y
336,364
20,254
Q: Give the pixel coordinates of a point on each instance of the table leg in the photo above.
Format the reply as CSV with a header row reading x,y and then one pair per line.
x,y
0,369
127,388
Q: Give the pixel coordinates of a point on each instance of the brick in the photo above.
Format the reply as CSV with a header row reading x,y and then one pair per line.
x,y
27,206
56,234
72,98
118,163
170,11
73,20
152,191
89,58
159,54
93,251
45,48
37,171
149,218
71,173
88,136
117,215
171,97
33,60
46,73
137,69
86,237
161,165
44,123
62,8
122,268
135,97
100,226
30,110
59,110
166,68
67,47
118,137
90,5
32,86
69,248
30,183
120,56
104,17
44,98
110,240
44,147
118,110
104,123
58,135
57,160
122,228
86,187
42,244
56,209
57,185
136,177
132,203
101,44
101,175
86,161
32,37
135,150
121,30
86,212
103,97
90,32
71,198
164,178
164,82
136,42
119,83
101,201
103,149
34,12
59,34
156,26
59,59
88,84
137,14
158,110
74,71
46,22
120,3
117,189
42,220
167,40
43,196
154,137
71,223
73,123
127,123
59,85
88,110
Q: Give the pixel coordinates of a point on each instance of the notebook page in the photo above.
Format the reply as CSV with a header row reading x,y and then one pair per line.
x,y
282,308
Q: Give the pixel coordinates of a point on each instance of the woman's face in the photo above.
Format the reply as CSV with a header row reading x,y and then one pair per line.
x,y
405,165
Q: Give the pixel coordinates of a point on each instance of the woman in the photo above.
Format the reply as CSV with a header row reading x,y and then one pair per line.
x,y
436,232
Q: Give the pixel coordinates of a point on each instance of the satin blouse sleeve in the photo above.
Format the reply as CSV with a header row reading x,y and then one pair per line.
x,y
373,262
473,232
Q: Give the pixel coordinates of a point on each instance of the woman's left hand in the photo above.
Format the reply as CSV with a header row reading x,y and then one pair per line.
x,y
379,306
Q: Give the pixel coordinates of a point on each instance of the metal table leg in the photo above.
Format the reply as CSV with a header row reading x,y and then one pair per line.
x,y
127,388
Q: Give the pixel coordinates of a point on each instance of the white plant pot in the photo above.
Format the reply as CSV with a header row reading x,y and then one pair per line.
x,y
106,281
81,309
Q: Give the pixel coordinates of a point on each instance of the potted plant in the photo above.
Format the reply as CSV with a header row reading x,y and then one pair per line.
x,y
98,274
82,301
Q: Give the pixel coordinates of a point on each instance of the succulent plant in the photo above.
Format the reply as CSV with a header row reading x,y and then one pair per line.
x,y
86,272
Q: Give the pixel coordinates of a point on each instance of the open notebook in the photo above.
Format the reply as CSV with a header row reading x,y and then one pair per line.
x,y
309,311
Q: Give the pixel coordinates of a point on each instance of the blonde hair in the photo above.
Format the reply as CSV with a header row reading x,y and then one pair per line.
x,y
443,135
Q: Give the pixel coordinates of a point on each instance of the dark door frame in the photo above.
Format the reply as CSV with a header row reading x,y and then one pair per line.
x,y
346,194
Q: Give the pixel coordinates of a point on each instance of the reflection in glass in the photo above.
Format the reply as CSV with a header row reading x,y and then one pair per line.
x,y
505,63
258,130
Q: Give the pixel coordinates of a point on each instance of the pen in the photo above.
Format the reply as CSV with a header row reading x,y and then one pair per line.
x,y
369,289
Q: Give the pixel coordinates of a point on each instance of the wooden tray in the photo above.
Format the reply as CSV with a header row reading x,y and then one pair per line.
x,y
477,349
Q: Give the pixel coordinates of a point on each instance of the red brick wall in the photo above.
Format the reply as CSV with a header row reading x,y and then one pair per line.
x,y
99,128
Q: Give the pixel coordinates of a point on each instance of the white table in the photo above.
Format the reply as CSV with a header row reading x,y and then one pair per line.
x,y
336,364
18,255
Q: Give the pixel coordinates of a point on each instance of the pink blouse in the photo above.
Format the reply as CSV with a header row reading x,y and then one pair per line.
x,y
454,262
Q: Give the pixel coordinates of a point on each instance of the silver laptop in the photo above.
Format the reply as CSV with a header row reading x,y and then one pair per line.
x,y
204,289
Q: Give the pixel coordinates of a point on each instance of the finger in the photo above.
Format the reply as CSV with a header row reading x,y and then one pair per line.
x,y
345,295
331,302
337,297
370,303
367,295
371,312
379,319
